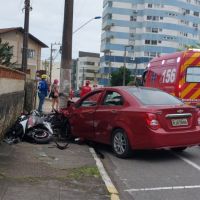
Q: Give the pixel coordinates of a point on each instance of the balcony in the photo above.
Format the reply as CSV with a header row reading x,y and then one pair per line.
x,y
107,25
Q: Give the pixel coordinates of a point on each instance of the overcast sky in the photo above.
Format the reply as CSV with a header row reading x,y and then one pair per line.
x,y
46,22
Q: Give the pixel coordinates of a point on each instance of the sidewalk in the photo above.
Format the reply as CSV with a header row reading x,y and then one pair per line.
x,y
31,171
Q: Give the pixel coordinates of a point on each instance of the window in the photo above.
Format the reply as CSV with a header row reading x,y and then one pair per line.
x,y
195,25
149,17
154,30
133,18
147,41
109,3
154,42
187,11
31,53
109,16
196,13
113,99
152,54
193,74
89,63
91,100
150,5
155,18
153,97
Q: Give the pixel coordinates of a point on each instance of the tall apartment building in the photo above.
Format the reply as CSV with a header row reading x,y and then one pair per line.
x,y
135,31
87,67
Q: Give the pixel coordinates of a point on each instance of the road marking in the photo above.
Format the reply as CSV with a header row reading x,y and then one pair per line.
x,y
187,161
173,187
164,188
110,186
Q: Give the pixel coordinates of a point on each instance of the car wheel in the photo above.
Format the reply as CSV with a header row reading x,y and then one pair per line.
x,y
120,144
178,149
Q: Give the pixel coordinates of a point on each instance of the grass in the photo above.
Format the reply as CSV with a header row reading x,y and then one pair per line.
x,y
75,173
78,173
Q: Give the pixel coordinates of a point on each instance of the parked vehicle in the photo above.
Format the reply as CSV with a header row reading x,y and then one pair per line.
x,y
176,73
31,127
130,118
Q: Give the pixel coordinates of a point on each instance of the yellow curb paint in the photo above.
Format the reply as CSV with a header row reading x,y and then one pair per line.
x,y
112,190
109,185
114,197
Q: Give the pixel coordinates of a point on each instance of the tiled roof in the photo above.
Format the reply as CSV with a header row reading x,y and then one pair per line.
x,y
20,29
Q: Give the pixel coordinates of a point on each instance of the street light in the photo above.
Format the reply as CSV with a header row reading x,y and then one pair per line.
x,y
97,17
124,70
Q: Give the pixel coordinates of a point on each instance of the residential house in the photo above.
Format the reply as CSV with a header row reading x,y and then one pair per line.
x,y
15,38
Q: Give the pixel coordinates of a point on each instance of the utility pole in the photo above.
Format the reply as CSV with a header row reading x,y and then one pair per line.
x,y
27,9
66,57
124,69
109,81
83,76
51,59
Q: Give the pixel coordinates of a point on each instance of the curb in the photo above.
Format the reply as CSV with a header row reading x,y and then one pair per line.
x,y
110,186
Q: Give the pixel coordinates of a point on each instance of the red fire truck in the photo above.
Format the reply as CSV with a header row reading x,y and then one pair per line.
x,y
178,74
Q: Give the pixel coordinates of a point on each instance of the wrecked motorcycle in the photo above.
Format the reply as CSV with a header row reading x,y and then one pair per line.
x,y
30,128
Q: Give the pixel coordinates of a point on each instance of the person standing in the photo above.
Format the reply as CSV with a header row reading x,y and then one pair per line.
x,y
85,89
42,91
55,94
71,93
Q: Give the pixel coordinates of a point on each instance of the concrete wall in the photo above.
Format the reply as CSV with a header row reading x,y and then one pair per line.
x,y
11,97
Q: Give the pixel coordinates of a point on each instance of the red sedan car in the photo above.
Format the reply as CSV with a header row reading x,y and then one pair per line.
x,y
131,118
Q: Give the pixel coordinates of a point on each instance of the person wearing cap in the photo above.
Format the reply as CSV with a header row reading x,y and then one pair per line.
x,y
85,89
42,91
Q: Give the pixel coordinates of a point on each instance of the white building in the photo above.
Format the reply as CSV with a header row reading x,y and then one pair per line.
x,y
144,29
87,68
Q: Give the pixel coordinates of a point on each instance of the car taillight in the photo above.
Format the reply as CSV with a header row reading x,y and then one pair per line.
x,y
152,121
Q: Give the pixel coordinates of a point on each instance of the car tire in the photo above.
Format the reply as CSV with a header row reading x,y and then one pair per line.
x,y
178,149
120,144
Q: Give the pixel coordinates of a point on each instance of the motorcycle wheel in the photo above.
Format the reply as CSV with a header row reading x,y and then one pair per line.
x,y
41,136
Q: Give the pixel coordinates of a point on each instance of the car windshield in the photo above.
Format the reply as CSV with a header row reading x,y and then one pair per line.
x,y
153,96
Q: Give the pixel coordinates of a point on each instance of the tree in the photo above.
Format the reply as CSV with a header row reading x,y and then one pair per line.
x,y
117,77
5,53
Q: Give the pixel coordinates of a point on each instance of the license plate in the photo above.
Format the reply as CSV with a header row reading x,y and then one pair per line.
x,y
179,122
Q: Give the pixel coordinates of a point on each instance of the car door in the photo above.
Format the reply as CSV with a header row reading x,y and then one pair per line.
x,y
106,115
82,117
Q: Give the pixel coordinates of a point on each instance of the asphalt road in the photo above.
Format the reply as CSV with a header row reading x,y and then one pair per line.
x,y
156,175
